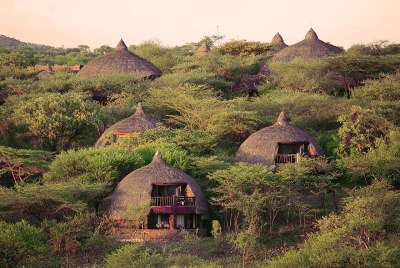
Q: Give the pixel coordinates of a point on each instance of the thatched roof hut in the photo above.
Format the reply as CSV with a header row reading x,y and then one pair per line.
x,y
278,43
310,47
138,123
203,49
120,62
134,191
281,139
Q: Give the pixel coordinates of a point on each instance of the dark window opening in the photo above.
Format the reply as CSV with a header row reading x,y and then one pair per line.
x,y
289,152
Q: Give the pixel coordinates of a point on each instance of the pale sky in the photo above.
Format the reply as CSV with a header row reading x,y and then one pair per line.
x,y
174,22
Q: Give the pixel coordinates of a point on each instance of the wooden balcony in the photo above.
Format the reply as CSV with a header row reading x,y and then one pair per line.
x,y
173,201
286,158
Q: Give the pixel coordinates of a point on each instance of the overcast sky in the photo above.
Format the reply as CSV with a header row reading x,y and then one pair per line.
x,y
173,22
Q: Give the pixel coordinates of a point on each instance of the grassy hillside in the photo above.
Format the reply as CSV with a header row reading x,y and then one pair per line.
x,y
13,44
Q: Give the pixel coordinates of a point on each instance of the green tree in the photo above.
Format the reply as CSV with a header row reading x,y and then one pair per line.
x,y
364,234
244,48
21,244
58,121
352,70
360,129
22,163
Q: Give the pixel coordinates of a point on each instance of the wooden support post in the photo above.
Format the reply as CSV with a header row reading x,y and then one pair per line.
x,y
172,221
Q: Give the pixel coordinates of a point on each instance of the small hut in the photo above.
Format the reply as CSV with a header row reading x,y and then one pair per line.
x,y
203,49
278,43
310,47
136,124
119,62
169,199
280,143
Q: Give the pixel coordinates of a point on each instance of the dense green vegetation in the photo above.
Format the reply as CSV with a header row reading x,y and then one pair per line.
x,y
337,211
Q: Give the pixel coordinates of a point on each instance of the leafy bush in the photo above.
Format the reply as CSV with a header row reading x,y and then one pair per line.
x,y
57,121
365,234
360,129
382,96
93,165
21,164
382,161
244,48
21,244
134,256
304,76
163,57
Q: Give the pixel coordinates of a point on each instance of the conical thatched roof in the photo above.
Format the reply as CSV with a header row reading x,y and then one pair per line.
x,y
262,146
139,122
278,43
120,62
310,47
134,190
203,49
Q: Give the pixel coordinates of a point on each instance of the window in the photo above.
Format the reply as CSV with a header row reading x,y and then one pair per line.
x,y
292,148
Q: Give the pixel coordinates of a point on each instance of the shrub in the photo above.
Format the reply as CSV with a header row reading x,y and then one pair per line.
x,y
382,161
244,48
93,165
21,244
134,256
365,234
360,129
305,76
58,121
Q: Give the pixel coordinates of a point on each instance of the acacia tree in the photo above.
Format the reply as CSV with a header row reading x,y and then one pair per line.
x,y
360,129
245,193
21,163
58,121
352,70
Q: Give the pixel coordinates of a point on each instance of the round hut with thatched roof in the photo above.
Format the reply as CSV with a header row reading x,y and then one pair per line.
x,y
120,62
310,47
162,196
280,143
278,43
136,124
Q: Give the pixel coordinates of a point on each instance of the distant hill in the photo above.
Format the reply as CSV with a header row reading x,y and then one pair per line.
x,y
12,44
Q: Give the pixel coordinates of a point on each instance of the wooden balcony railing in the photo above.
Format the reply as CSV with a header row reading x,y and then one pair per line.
x,y
286,158
173,201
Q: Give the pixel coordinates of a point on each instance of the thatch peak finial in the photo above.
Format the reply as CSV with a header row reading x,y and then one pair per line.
x,y
157,158
282,120
139,109
311,35
121,45
277,39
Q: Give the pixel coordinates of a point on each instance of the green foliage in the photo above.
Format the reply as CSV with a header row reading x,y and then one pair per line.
x,y
163,57
21,244
363,235
139,256
352,70
93,165
50,200
21,163
134,256
20,58
379,48
197,108
58,121
244,48
304,76
382,161
360,129
382,96
216,230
